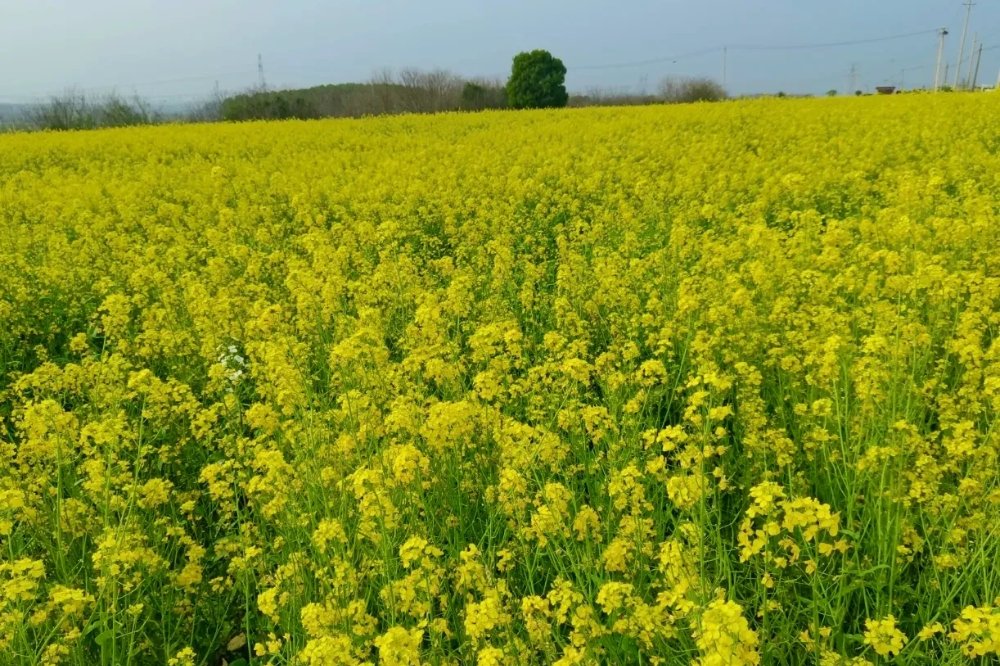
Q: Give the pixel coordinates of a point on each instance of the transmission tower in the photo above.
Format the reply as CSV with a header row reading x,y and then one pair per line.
x,y
260,72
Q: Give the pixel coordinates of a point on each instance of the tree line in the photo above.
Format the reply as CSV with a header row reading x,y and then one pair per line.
x,y
537,80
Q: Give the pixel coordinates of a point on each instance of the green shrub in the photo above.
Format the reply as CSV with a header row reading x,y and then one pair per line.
x,y
537,81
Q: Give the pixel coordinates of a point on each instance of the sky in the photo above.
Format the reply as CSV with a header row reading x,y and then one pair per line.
x,y
180,50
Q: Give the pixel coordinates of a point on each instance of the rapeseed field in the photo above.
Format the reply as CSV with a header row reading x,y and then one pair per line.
x,y
705,384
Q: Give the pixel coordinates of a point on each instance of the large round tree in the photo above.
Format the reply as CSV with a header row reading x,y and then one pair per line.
x,y
537,81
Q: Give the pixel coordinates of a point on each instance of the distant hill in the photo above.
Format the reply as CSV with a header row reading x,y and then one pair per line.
x,y
342,99
414,92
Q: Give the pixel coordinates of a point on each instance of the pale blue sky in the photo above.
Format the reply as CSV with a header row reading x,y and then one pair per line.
x,y
174,50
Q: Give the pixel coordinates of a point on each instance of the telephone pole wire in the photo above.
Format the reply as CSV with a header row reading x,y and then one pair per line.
x,y
961,44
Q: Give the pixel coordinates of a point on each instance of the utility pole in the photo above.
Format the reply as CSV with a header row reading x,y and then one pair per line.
x,y
961,45
972,56
725,57
852,84
975,72
260,72
942,33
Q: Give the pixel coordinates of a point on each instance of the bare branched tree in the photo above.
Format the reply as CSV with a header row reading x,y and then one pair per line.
x,y
675,90
74,110
383,85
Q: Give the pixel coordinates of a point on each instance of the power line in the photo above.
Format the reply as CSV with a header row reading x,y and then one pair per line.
x,y
652,61
754,47
853,42
186,79
723,50
135,85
